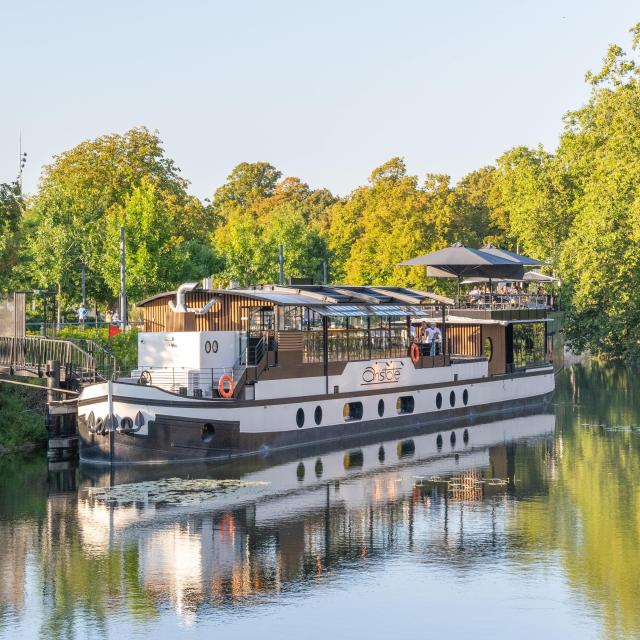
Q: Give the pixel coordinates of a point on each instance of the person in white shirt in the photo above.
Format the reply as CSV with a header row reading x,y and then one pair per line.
x,y
434,339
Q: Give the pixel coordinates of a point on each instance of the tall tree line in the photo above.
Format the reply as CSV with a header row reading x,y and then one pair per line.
x,y
577,207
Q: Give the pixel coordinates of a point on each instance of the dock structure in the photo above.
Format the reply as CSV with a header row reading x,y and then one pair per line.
x,y
66,366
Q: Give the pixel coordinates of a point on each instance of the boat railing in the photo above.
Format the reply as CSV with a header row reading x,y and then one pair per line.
x,y
185,381
507,301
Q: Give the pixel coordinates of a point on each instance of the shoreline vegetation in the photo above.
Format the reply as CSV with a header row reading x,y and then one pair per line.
x,y
22,419
577,207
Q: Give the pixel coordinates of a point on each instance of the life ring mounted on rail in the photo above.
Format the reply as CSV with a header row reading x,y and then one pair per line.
x,y
415,353
226,386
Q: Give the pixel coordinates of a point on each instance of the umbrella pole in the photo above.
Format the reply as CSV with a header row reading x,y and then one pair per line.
x,y
459,304
490,293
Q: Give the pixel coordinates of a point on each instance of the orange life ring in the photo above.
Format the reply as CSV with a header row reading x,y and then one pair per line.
x,y
225,392
415,353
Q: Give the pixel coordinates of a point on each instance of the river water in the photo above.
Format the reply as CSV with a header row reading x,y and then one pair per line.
x,y
523,528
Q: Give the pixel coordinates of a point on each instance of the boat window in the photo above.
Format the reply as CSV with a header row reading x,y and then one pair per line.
x,y
300,418
208,432
465,397
488,349
452,398
381,407
528,344
406,448
405,404
439,400
353,459
317,414
352,411
290,318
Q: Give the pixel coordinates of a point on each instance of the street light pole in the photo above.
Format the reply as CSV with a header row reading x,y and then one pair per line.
x,y
123,290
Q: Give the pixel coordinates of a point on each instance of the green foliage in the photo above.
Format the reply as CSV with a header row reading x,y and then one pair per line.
x,y
21,419
11,227
124,346
87,192
257,213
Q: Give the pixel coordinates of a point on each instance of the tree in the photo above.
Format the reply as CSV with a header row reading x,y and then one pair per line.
x,y
159,256
600,259
83,190
11,213
257,211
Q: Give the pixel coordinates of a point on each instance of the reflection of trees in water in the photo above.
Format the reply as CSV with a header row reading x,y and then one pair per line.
x,y
591,515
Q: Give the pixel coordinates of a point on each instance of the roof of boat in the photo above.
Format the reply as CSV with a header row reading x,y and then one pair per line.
x,y
320,295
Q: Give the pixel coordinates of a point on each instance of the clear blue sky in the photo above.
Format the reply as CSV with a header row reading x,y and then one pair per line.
x,y
325,90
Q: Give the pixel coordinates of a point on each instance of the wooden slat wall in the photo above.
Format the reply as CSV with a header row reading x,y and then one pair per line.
x,y
464,339
225,315
290,341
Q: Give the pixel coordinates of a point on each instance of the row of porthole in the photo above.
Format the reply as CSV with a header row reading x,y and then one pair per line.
x,y
354,410
452,439
355,459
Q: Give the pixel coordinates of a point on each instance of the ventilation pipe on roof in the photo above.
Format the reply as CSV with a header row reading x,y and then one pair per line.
x,y
179,306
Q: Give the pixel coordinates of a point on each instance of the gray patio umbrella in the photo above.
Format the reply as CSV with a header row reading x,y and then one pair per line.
x,y
460,261
525,261
536,276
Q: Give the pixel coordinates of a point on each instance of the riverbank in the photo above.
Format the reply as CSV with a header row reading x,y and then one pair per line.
x,y
22,419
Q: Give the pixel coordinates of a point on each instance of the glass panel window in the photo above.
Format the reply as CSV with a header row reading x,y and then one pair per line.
x,y
528,344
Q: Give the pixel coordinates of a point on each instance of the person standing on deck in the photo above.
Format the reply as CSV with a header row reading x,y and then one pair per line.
x,y
434,338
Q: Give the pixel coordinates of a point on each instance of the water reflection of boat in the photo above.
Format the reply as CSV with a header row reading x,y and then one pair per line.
x,y
221,534
367,473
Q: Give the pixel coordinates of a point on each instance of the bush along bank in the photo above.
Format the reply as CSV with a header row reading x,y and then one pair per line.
x,y
124,346
22,418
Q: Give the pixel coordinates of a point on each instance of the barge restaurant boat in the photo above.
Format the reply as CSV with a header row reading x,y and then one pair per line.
x,y
234,372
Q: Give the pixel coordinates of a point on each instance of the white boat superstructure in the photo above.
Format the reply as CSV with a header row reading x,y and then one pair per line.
x,y
275,367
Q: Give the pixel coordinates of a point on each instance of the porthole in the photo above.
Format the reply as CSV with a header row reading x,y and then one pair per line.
x,y
381,407
319,468
208,432
406,448
452,398
317,415
439,400
353,459
352,411
452,439
488,349
465,436
381,454
300,418
439,442
405,404
300,471
465,397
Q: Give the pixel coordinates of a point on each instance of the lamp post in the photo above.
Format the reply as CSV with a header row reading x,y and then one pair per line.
x,y
123,290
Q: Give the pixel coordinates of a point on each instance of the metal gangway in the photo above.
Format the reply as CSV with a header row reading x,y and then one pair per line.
x,y
86,361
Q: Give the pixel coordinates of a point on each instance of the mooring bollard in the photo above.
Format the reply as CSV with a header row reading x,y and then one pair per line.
x,y
52,372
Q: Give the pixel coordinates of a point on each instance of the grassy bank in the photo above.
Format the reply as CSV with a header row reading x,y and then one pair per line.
x,y
21,418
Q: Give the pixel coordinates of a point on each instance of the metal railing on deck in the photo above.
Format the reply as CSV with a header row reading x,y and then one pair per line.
x,y
196,383
507,301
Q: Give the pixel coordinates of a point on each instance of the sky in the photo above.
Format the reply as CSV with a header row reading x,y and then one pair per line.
x,y
324,90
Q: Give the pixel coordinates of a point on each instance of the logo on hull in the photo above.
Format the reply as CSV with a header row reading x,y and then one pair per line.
x,y
384,372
